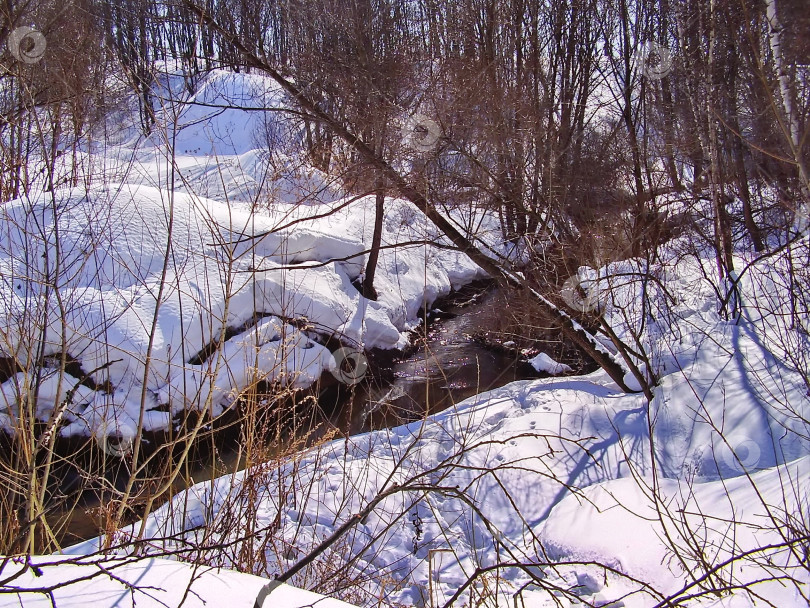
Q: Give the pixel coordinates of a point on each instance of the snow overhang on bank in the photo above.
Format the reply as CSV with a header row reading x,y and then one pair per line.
x,y
135,284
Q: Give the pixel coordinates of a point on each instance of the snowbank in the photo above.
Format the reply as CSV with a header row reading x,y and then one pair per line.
x,y
225,139
543,363
568,474
618,524
134,283
145,583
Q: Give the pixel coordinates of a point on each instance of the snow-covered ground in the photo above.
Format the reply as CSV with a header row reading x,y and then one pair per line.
x,y
150,582
553,491
564,476
133,280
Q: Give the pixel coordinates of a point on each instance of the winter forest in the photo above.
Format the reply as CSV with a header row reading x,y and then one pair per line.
x,y
392,303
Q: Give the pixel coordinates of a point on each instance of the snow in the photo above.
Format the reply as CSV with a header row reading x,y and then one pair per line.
x,y
560,471
117,305
543,363
603,496
145,583
226,140
618,519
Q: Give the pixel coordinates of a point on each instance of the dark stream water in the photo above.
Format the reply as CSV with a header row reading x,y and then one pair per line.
x,y
446,364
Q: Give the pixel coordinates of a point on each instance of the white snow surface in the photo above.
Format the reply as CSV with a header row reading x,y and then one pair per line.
x,y
146,583
557,473
135,282
543,363
565,476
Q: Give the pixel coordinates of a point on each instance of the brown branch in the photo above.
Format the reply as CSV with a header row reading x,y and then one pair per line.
x,y
570,328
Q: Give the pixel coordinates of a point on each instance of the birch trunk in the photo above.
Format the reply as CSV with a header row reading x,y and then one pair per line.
x,y
791,128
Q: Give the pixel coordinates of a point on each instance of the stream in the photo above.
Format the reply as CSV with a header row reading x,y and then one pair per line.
x,y
445,365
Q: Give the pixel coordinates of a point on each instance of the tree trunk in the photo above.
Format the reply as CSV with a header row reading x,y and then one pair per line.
x,y
786,93
569,327
639,223
373,256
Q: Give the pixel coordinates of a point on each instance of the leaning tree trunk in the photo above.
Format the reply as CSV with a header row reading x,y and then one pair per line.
x,y
397,182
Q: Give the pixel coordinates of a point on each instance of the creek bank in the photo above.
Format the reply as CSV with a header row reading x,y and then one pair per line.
x,y
455,353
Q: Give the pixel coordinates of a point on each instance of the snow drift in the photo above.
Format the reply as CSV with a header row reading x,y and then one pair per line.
x,y
135,283
565,476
